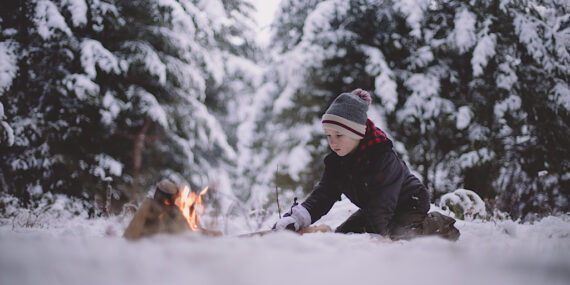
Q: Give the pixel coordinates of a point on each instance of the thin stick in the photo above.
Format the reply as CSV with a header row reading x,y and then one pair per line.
x,y
277,191
108,196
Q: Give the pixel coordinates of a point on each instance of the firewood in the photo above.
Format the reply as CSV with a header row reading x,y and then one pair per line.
x,y
314,229
307,230
136,226
165,192
211,232
154,217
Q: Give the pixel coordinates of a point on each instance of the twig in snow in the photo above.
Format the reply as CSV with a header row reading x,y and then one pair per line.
x,y
277,191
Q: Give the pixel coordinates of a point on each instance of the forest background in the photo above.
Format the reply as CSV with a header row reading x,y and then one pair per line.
x,y
474,93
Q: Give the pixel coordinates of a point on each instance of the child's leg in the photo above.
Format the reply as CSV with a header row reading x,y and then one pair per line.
x,y
406,225
354,224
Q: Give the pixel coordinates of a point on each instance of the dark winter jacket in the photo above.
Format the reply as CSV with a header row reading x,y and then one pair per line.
x,y
373,178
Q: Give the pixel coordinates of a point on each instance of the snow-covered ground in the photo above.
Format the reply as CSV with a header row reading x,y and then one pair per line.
x,y
69,250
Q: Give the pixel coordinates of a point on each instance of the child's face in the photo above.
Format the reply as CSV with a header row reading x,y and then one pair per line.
x,y
341,143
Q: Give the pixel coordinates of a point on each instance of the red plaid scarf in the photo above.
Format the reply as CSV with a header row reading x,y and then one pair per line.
x,y
373,136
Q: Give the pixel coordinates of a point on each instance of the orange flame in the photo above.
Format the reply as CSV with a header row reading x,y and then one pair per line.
x,y
189,203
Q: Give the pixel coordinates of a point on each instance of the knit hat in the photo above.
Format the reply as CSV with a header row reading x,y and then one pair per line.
x,y
347,114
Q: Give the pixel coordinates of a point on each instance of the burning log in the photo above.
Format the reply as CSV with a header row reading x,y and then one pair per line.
x,y
165,192
169,211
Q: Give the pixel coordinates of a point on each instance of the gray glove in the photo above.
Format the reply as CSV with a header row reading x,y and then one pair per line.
x,y
295,220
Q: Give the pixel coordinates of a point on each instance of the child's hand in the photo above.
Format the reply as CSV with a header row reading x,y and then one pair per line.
x,y
295,220
286,223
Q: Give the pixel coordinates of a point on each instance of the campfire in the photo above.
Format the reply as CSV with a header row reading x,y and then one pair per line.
x,y
171,210
190,203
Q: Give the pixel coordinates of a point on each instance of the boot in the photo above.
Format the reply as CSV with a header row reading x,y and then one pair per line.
x,y
440,225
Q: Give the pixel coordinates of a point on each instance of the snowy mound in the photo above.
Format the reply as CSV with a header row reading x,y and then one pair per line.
x,y
463,203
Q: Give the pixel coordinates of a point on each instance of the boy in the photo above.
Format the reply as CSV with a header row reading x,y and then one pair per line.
x,y
363,166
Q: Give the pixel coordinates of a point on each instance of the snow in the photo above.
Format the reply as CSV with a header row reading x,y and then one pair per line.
x,y
464,33
94,54
56,243
424,102
8,65
111,109
214,133
298,160
507,76
510,104
216,12
8,132
484,50
475,157
35,190
82,86
64,249
264,15
292,66
414,10
421,58
98,10
423,85
466,202
317,24
192,33
526,29
48,20
284,101
384,82
106,162
150,106
182,22
561,95
464,116
78,10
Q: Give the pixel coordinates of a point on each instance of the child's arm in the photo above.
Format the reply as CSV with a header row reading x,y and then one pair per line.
x,y
323,197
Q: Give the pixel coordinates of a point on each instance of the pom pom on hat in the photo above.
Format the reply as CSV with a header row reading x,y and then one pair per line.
x,y
363,94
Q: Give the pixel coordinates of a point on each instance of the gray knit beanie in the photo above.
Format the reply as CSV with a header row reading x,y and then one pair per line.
x,y
347,114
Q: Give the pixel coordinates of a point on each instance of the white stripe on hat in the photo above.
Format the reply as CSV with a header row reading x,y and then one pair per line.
x,y
350,128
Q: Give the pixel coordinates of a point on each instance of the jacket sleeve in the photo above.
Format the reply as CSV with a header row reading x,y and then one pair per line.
x,y
323,196
384,186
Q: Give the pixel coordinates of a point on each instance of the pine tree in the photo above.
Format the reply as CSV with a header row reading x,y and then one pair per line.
x,y
38,99
123,89
491,133
473,92
9,19
185,61
317,57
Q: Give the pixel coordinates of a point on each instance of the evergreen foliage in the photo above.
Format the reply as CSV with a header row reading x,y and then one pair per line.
x,y
120,89
475,91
